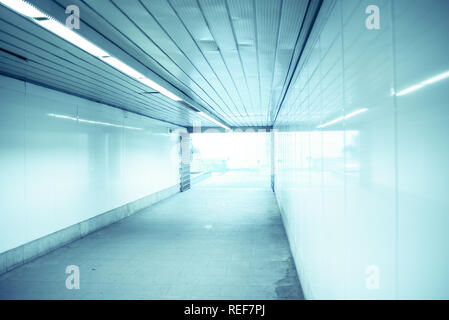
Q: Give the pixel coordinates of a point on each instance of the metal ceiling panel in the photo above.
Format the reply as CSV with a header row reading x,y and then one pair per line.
x,y
218,21
56,63
236,59
192,19
293,13
173,48
242,16
135,36
268,17
298,57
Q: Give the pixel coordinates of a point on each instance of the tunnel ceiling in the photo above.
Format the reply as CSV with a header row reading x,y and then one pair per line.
x,y
233,58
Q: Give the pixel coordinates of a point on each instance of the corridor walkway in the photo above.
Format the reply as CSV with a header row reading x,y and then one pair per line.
x,y
219,240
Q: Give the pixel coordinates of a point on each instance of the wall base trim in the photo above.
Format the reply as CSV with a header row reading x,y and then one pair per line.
x,y
20,255
201,177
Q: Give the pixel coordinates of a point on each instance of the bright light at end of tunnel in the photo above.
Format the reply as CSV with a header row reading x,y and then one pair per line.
x,y
28,10
349,115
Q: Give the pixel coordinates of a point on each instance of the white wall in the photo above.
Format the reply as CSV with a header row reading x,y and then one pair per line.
x,y
62,162
371,190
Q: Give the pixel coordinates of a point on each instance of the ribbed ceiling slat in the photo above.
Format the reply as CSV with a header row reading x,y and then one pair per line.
x,y
234,58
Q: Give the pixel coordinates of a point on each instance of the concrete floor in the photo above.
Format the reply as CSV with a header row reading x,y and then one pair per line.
x,y
223,239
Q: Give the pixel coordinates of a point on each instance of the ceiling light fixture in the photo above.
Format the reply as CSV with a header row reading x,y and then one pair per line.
x,y
65,33
155,86
26,9
349,115
117,64
213,120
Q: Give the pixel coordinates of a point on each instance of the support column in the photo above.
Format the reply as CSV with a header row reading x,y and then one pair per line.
x,y
272,158
184,167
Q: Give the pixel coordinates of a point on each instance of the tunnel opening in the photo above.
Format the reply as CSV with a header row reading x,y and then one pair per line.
x,y
231,159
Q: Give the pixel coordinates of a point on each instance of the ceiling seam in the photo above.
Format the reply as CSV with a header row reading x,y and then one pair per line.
x,y
301,51
221,55
146,54
68,61
70,92
292,57
181,69
93,10
185,55
202,54
240,60
125,78
274,62
257,53
74,75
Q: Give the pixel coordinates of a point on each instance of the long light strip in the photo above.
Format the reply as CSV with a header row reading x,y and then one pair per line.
x,y
26,9
159,88
116,63
349,115
213,120
65,33
424,83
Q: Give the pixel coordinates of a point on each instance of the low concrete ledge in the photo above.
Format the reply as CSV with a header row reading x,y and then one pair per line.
x,y
200,177
18,256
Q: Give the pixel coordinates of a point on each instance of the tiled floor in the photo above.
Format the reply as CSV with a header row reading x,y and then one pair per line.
x,y
220,240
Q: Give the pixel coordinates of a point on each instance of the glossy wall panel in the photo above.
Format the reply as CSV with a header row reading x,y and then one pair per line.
x,y
423,153
360,162
65,159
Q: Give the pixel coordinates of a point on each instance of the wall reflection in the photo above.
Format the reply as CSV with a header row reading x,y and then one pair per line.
x,y
64,159
364,196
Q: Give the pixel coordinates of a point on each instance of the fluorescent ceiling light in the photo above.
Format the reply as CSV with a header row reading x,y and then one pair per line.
x,y
24,8
117,64
122,67
28,10
167,93
213,120
424,83
349,115
65,33
159,88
